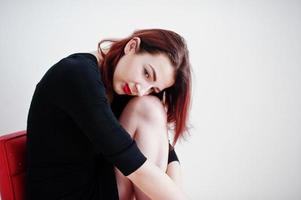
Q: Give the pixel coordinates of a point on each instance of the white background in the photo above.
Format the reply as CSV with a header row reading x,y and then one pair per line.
x,y
246,114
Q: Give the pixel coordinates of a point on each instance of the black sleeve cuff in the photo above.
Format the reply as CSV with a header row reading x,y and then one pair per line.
x,y
129,160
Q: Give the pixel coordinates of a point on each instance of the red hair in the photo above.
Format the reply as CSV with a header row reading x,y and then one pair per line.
x,y
156,41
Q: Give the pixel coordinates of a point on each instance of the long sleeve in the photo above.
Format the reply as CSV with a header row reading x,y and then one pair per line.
x,y
76,88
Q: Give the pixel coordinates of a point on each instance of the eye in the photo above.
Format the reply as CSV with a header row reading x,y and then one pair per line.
x,y
146,74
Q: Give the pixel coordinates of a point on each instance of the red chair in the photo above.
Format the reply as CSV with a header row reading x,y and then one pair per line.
x,y
12,166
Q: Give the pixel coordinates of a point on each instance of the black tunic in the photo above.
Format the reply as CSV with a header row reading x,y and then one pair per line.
x,y
74,139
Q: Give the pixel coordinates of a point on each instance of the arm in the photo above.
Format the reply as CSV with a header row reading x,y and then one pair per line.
x,y
155,183
174,168
78,90
174,172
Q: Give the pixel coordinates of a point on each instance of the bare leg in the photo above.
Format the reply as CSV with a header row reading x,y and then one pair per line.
x,y
145,119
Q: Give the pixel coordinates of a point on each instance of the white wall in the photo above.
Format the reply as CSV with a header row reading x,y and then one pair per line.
x,y
245,142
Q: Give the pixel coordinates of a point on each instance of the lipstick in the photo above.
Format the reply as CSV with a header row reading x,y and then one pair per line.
x,y
127,89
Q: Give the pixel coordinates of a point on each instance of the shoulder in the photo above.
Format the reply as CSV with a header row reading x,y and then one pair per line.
x,y
75,69
79,62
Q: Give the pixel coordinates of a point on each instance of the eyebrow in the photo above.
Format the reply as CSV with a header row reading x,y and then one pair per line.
x,y
154,74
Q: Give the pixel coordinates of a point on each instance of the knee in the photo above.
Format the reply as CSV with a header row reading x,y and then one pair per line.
x,y
149,108
142,112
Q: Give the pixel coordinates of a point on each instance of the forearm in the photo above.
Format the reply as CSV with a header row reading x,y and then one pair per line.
x,y
174,172
156,184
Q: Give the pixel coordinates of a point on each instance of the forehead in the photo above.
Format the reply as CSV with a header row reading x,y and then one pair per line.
x,y
164,69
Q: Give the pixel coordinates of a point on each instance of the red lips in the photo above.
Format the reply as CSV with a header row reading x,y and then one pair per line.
x,y
127,89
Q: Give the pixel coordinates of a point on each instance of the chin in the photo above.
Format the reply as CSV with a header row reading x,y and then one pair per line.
x,y
118,90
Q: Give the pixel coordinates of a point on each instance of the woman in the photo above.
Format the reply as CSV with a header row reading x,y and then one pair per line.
x,y
74,139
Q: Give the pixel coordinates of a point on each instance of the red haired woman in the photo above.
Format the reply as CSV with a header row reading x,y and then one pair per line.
x,y
77,149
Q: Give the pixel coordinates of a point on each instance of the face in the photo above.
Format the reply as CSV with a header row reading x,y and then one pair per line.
x,y
142,74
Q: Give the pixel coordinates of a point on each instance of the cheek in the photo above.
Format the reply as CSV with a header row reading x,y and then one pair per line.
x,y
128,72
116,80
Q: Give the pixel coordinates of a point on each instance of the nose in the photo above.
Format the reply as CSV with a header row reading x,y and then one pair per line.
x,y
143,89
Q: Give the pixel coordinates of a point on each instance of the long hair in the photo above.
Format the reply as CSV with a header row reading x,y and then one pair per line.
x,y
177,98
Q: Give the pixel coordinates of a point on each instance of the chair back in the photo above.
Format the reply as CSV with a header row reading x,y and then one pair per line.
x,y
12,166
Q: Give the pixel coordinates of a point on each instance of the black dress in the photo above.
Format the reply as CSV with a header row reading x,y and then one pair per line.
x,y
74,139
